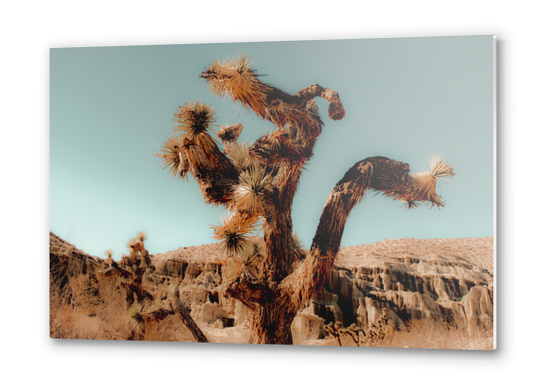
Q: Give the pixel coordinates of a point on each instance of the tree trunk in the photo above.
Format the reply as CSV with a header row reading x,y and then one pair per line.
x,y
272,323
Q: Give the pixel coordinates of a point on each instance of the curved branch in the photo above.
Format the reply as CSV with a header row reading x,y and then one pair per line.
x,y
336,109
238,80
380,174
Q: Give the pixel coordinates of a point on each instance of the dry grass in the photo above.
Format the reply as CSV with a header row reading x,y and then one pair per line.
x,y
95,308
77,313
419,334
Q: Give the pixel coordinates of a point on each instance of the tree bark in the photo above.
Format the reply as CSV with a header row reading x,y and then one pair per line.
x,y
272,324
379,174
187,320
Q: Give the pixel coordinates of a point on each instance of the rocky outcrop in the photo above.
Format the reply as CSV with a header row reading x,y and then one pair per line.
x,y
66,261
448,280
442,280
409,280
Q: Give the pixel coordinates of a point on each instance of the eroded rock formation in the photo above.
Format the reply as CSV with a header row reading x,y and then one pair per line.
x,y
449,280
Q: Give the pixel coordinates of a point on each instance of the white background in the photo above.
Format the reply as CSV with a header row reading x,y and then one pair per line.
x,y
27,31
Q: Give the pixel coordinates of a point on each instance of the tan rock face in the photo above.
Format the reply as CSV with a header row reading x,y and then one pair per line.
x,y
67,261
411,279
447,280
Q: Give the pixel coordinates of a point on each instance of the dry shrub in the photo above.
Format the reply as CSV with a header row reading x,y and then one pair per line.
x,y
90,307
377,335
420,334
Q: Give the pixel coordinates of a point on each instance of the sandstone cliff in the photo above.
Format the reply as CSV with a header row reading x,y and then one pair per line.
x,y
448,281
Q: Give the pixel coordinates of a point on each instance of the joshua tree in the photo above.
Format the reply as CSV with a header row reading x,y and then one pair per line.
x,y
257,182
138,262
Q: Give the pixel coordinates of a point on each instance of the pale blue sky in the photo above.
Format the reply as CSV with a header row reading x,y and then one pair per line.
x,y
405,98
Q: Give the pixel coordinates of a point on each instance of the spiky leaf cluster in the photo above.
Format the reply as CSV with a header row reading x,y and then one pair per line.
x,y
195,118
426,182
254,183
234,231
230,133
244,262
414,188
195,150
135,317
171,155
240,156
235,78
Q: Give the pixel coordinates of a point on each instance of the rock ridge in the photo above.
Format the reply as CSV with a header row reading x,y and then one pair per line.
x,y
443,280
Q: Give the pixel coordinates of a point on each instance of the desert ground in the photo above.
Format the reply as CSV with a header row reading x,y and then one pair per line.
x,y
402,293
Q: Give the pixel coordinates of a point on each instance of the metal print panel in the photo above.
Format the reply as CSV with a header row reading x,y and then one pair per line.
x,y
325,193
